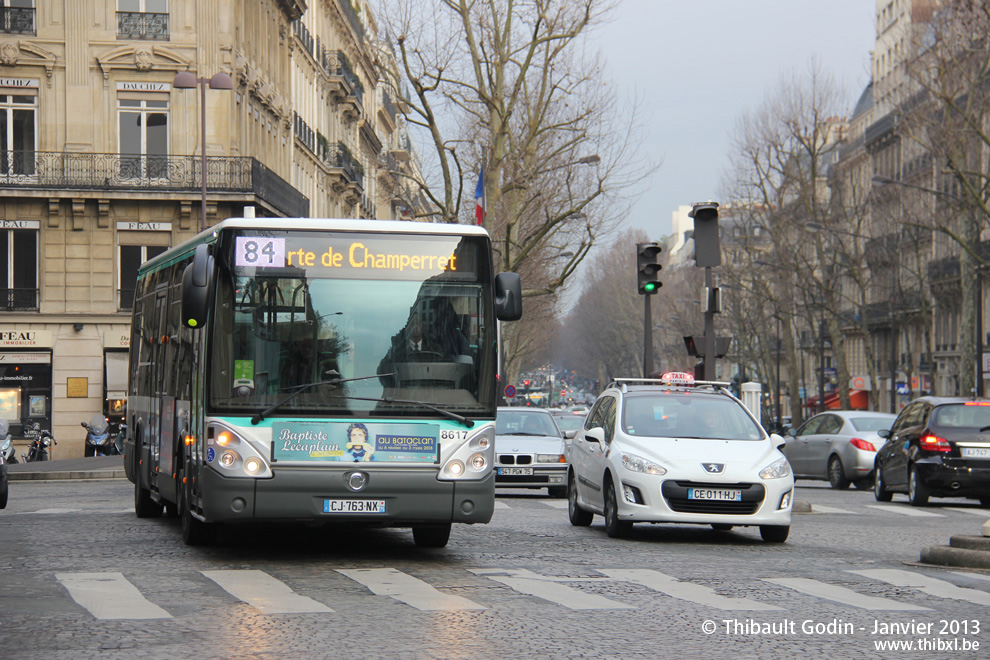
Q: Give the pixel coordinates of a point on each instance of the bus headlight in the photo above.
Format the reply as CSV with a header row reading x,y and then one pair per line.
x,y
233,455
471,458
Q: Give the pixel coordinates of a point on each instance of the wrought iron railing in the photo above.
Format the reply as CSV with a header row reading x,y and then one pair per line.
x,y
44,170
342,157
389,106
17,20
142,25
335,63
352,18
18,299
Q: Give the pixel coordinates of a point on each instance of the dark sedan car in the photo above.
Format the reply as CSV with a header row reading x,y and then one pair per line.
x,y
937,446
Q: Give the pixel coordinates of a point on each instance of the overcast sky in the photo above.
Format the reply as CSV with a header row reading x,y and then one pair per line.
x,y
698,65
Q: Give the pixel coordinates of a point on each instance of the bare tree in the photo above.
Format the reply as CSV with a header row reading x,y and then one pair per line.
x,y
513,90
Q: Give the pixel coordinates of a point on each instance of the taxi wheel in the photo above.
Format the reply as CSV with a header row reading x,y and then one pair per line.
x,y
836,474
917,490
880,491
578,516
774,533
614,527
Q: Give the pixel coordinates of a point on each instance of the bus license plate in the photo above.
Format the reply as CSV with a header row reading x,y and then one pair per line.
x,y
715,494
353,506
975,452
516,472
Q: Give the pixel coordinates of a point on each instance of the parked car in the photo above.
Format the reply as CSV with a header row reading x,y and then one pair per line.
x,y
529,450
937,446
569,421
678,452
838,445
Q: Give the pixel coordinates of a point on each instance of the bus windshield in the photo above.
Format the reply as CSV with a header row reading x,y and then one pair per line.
x,y
395,317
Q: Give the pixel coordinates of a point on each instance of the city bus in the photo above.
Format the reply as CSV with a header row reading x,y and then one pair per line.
x,y
288,370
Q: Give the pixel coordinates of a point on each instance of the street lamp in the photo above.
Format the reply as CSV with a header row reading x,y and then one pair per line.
x,y
187,80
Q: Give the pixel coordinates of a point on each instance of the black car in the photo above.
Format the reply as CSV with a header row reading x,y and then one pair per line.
x,y
937,446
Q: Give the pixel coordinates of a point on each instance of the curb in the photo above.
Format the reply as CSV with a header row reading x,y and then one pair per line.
x,y
66,474
943,555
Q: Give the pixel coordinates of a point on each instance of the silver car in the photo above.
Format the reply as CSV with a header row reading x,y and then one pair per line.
x,y
529,451
839,446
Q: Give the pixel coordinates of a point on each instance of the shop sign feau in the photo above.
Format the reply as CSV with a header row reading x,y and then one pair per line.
x,y
116,339
144,226
20,224
25,338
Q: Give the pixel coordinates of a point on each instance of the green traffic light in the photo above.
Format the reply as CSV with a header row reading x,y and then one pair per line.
x,y
649,286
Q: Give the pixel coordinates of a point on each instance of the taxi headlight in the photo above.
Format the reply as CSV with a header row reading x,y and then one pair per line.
x,y
634,463
550,458
776,470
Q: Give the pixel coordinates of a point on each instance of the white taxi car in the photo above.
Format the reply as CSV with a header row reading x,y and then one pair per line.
x,y
678,451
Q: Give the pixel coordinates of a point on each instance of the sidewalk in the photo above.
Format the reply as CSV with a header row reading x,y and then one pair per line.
x,y
96,467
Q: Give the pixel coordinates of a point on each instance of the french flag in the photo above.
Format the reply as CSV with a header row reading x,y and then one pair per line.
x,y
479,198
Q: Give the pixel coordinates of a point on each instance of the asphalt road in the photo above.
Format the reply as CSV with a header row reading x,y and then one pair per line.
x,y
82,577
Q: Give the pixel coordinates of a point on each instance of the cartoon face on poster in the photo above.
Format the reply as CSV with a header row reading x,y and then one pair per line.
x,y
357,442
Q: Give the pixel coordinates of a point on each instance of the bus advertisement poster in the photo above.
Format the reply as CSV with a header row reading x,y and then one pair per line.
x,y
355,442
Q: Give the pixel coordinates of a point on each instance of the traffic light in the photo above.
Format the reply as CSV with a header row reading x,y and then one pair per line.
x,y
648,268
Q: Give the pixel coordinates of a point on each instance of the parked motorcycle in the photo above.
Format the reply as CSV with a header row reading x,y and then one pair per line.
x,y
7,451
42,444
99,440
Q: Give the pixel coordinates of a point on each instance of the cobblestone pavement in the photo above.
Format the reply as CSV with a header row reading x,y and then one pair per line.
x,y
83,578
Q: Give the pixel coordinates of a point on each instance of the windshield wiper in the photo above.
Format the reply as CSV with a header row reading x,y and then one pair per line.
x,y
335,381
461,419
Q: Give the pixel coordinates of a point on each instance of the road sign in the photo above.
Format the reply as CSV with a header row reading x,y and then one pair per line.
x,y
510,391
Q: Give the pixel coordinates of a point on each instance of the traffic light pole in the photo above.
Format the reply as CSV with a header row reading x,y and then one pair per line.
x,y
647,337
709,326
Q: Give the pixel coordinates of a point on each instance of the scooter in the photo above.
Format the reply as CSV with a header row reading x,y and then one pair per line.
x,y
42,444
7,452
4,446
98,439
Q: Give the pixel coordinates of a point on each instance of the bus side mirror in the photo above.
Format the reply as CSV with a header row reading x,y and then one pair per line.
x,y
197,285
508,297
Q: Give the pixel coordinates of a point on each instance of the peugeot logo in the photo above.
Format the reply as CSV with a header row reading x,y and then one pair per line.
x,y
713,468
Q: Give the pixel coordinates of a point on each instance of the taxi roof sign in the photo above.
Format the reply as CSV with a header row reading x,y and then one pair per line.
x,y
677,378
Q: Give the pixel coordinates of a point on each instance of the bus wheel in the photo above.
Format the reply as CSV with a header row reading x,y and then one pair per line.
x,y
431,536
144,506
194,531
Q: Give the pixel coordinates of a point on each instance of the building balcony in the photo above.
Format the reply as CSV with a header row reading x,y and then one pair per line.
x,y
367,208
341,80
107,173
142,25
17,20
346,173
14,300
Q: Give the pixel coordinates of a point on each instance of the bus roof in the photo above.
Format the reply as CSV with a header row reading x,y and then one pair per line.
x,y
308,224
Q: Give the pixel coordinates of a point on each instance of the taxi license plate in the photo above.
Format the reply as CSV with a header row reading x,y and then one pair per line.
x,y
975,452
516,472
715,494
353,506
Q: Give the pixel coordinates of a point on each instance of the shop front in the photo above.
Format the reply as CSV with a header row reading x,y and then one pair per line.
x,y
26,379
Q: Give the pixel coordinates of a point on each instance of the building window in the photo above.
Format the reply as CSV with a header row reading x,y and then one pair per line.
x,y
17,134
129,259
143,126
142,19
18,269
17,17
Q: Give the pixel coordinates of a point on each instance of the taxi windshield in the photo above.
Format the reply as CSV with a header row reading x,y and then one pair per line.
x,y
687,415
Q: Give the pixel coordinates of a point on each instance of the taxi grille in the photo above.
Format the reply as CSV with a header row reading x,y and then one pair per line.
x,y
676,495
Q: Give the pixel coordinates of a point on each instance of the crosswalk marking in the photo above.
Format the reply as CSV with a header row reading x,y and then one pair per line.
x,y
501,505
48,511
688,591
929,585
842,595
555,504
79,511
109,596
904,511
263,592
407,589
821,508
533,584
